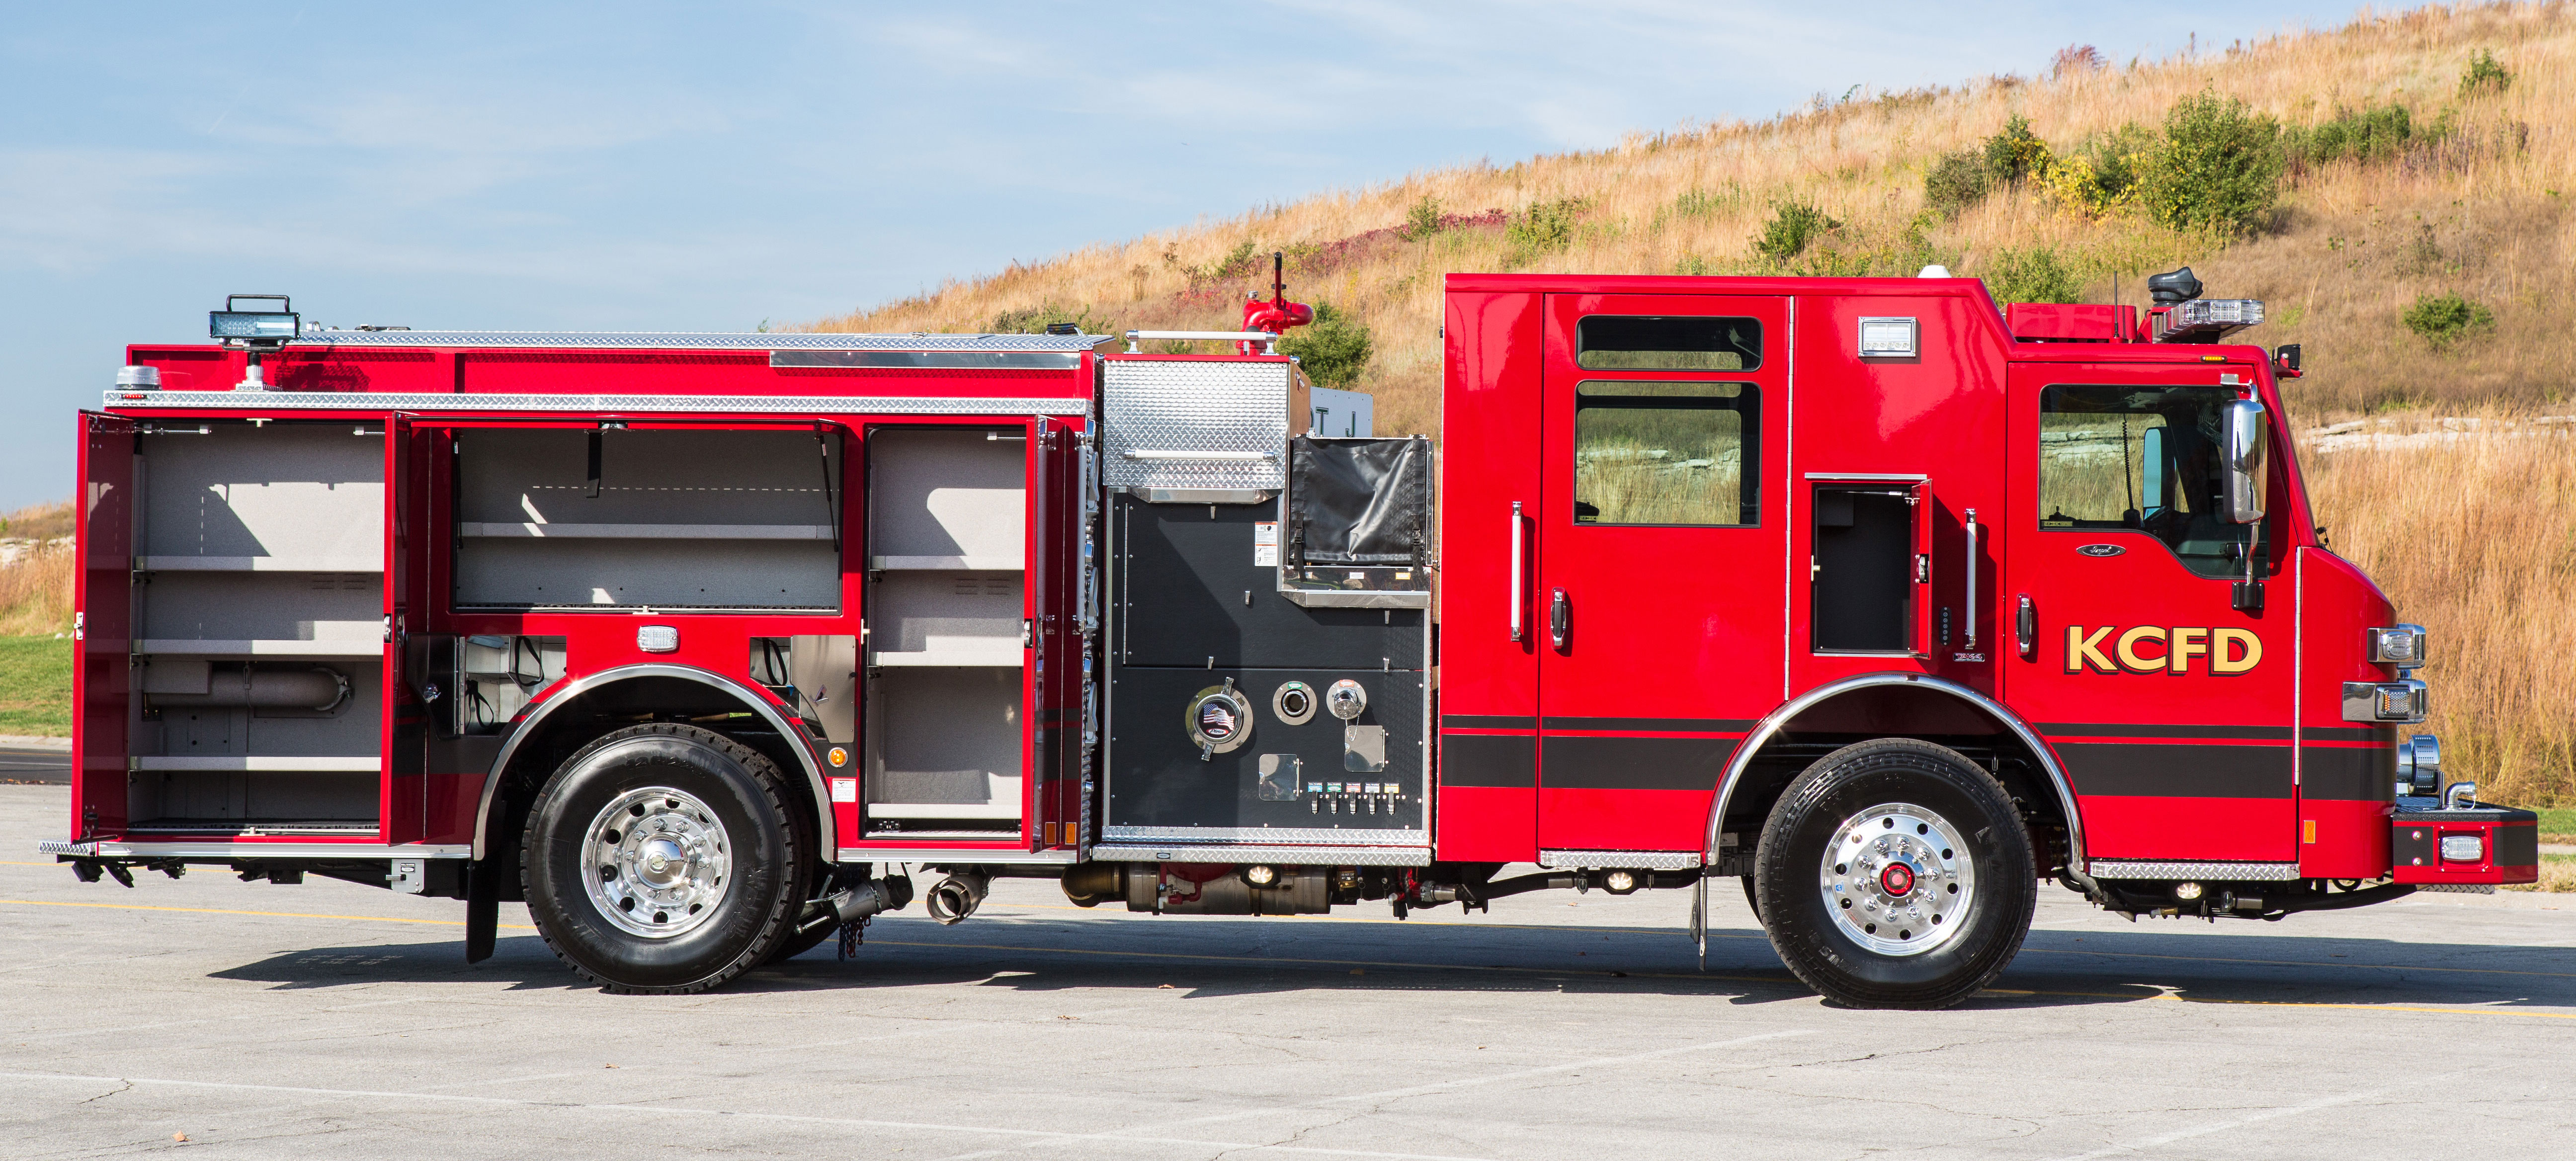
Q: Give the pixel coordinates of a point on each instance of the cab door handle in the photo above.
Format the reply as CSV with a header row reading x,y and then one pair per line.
x,y
1560,618
2026,626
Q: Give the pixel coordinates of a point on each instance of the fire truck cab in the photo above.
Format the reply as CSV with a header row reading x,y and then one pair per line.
x,y
1889,603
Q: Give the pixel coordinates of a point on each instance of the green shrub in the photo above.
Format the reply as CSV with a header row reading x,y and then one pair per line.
x,y
2444,319
2217,169
1955,182
2359,134
1792,228
1333,349
2485,75
1422,221
1545,227
2033,275
1035,320
2013,154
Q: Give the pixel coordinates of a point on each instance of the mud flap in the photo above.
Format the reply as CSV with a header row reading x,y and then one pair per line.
x,y
482,908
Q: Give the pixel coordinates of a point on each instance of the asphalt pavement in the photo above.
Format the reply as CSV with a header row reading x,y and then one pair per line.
x,y
35,765
332,1020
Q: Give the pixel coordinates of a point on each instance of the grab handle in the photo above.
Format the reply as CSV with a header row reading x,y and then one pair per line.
x,y
1515,599
1972,579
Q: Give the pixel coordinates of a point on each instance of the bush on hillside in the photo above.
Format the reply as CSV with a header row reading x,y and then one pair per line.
x,y
2444,319
1035,320
2218,168
1545,227
2033,275
2363,134
2014,154
1793,227
2101,176
1422,221
1333,349
2485,75
1955,182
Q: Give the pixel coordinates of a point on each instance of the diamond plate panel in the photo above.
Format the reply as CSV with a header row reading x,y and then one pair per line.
x,y
2458,888
1293,856
698,341
1638,860
2225,872
730,404
1194,423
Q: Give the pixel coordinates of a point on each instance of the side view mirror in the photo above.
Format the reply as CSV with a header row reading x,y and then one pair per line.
x,y
2243,428
2285,361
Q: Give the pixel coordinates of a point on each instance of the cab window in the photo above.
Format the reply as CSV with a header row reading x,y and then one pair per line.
x,y
1615,342
2144,459
1667,453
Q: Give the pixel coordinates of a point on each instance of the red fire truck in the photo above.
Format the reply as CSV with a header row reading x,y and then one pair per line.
x,y
1888,602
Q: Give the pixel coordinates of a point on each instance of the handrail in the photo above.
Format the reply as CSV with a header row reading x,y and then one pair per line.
x,y
1270,342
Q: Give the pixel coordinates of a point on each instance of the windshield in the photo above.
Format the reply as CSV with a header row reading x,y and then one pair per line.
x,y
2142,458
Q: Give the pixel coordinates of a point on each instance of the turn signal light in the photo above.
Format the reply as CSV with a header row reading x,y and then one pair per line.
x,y
2384,701
2400,645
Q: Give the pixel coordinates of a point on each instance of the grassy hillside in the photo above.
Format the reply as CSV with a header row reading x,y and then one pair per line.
x,y
2423,170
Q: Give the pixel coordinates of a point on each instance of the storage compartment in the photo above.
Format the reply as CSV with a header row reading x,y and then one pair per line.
x,y
946,613
1865,569
259,606
557,518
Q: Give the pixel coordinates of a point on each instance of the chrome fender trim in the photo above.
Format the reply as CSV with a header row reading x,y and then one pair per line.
x,y
1771,724
520,730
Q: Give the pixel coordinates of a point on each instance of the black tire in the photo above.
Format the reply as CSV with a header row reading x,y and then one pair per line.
x,y
1961,952
1752,898
740,791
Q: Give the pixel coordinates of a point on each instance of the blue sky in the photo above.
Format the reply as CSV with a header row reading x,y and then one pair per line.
x,y
648,166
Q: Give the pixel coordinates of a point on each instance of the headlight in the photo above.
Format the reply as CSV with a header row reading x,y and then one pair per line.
x,y
2400,645
2384,701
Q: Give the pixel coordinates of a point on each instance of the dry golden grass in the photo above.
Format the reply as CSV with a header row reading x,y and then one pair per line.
x,y
2351,246
2472,532
36,588
2557,873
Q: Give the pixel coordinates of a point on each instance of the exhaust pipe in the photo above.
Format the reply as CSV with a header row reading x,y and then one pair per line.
x,y
957,896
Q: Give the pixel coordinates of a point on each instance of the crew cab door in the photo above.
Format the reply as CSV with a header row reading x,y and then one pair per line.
x,y
2170,710
1657,592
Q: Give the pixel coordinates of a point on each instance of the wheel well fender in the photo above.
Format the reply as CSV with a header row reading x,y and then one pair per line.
x,y
1860,706
563,723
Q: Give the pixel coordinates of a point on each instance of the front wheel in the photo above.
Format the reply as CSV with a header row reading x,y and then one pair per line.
x,y
1895,874
660,859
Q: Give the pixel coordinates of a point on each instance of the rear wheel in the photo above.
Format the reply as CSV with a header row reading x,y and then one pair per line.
x,y
660,858
1895,874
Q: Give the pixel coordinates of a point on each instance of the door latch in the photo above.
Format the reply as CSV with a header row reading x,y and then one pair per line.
x,y
1560,619
2026,626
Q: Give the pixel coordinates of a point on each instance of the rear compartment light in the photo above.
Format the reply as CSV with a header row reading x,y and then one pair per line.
x,y
657,638
2463,848
2384,701
2403,646
1887,338
138,378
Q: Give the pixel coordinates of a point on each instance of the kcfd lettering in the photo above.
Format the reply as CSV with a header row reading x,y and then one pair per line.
x,y
2155,649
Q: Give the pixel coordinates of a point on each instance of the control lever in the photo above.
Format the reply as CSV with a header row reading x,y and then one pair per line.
x,y
1560,619
2026,626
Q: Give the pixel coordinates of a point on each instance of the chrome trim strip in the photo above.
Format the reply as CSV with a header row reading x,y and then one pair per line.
x,y
423,402
1290,856
950,856
111,849
1266,836
1771,724
2224,872
520,730
1643,860
697,340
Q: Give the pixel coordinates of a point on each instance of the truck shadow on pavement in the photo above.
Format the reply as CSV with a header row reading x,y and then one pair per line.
x,y
1215,957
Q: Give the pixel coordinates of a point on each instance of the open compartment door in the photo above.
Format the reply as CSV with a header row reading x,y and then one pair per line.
x,y
1058,674
103,625
1920,607
420,684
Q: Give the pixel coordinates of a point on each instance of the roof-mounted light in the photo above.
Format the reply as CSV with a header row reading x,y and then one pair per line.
x,y
237,326
2206,320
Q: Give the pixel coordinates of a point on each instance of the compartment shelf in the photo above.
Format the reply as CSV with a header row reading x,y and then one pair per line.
x,y
525,531
1002,654
189,647
946,563
1007,812
368,564
358,764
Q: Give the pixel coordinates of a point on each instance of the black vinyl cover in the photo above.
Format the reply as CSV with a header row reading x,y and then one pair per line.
x,y
1359,501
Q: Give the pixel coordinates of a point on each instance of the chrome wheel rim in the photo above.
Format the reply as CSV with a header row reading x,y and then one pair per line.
x,y
1898,880
656,862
